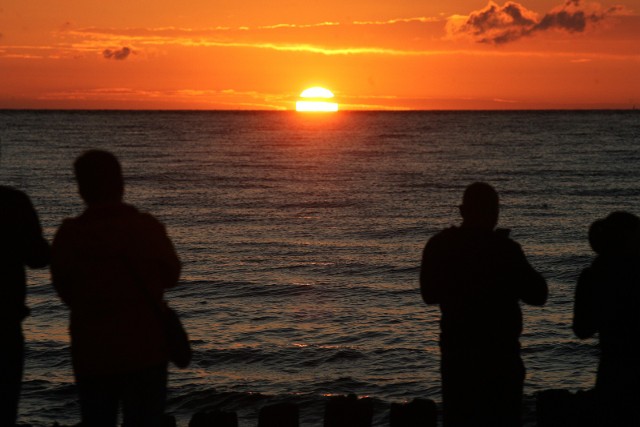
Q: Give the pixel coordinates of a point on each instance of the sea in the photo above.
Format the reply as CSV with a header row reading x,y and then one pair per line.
x,y
301,237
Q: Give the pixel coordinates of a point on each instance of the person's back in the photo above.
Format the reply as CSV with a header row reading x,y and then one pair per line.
x,y
617,289
21,243
606,303
102,259
479,301
478,276
111,266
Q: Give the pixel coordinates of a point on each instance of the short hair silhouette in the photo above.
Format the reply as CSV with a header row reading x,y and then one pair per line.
x,y
480,205
99,177
618,233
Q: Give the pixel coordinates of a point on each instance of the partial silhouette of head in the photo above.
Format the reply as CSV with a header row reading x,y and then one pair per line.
x,y
617,234
99,177
480,206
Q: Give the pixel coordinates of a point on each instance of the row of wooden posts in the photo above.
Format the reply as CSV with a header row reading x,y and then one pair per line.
x,y
340,411
554,408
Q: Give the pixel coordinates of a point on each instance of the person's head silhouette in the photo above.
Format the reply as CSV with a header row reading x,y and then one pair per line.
x,y
617,234
480,206
99,177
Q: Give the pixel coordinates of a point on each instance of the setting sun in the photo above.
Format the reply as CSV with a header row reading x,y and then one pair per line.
x,y
314,100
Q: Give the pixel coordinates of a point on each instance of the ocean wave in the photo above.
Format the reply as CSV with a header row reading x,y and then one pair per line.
x,y
294,357
301,241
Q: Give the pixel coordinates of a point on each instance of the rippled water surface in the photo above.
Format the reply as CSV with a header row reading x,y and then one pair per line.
x,y
301,238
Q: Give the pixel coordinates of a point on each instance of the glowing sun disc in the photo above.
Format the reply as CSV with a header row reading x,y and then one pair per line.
x,y
314,99
320,106
316,92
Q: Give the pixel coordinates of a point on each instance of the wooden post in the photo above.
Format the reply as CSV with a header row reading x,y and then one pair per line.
x,y
348,411
214,419
417,413
279,415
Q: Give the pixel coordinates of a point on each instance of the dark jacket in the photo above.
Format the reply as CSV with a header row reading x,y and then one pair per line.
x,y
101,259
607,302
478,278
21,243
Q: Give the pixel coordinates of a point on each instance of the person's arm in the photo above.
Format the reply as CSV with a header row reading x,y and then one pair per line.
x,y
170,263
162,253
37,253
59,265
430,274
584,313
533,287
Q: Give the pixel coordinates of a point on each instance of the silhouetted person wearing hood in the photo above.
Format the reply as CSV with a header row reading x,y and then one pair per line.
x,y
21,244
478,276
106,266
608,303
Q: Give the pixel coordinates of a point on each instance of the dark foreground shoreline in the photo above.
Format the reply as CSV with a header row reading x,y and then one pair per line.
x,y
351,411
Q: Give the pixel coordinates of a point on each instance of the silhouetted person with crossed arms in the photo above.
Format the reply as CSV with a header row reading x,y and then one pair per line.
x,y
107,264
478,276
21,243
608,303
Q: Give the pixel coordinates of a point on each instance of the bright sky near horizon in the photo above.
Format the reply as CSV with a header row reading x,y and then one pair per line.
x,y
372,54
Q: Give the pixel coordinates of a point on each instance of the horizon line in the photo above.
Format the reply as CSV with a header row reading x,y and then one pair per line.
x,y
241,110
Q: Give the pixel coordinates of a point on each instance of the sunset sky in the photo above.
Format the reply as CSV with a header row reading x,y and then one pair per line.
x,y
373,54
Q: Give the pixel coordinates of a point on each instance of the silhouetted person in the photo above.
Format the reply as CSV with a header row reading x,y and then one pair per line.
x,y
21,243
608,303
106,265
478,276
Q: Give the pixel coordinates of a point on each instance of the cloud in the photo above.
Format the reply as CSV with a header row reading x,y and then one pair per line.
x,y
573,17
502,24
354,37
421,19
495,24
117,54
278,26
94,37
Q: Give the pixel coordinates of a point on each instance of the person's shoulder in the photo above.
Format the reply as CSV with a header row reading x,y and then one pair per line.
x,y
444,237
5,189
9,191
502,236
593,273
590,270
148,218
447,233
451,231
10,194
68,224
70,230
148,221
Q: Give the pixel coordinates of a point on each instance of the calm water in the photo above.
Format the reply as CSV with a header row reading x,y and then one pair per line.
x,y
301,238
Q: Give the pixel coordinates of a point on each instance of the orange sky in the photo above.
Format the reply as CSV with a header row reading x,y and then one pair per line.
x,y
373,54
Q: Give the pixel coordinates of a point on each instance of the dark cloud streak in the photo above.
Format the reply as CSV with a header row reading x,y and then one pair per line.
x,y
117,54
502,24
